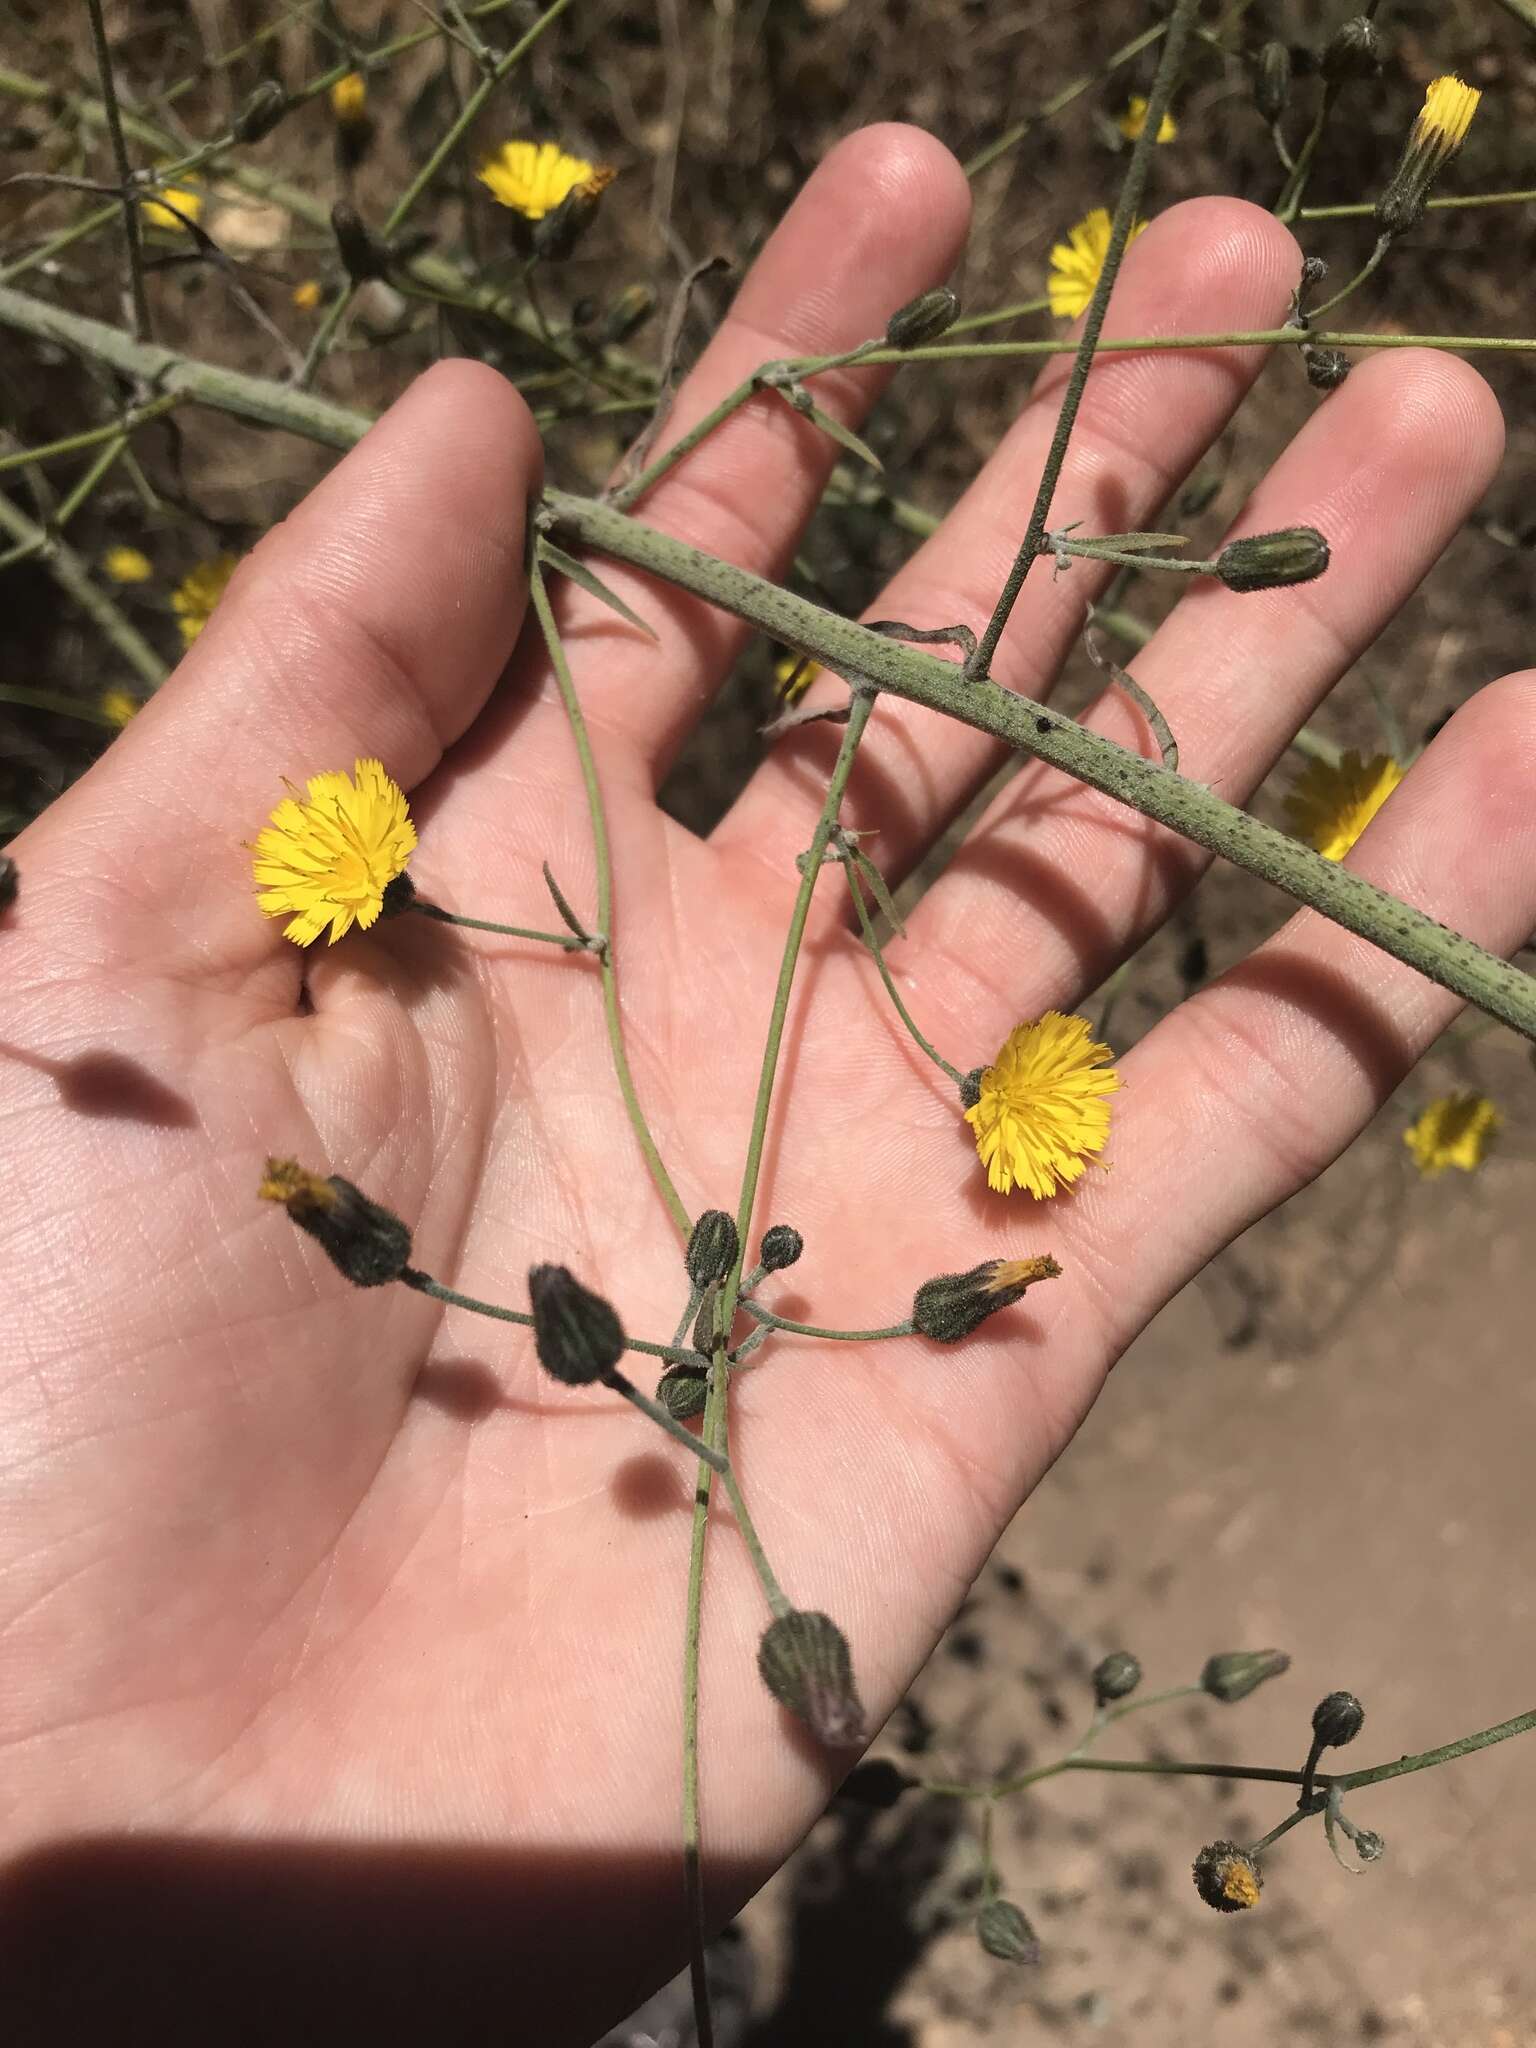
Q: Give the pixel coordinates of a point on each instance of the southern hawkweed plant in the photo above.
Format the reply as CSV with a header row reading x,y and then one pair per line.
x,y
334,855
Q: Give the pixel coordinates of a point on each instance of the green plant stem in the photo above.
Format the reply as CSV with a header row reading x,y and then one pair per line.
x,y
760,1314
1171,56
566,940
55,701
325,333
1011,137
130,210
866,925
1361,208
1294,189
673,1428
1426,1759
90,437
74,579
425,1284
1367,270
1000,314
106,460
604,857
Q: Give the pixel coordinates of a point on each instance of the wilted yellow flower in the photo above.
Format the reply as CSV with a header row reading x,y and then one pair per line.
x,y
1331,806
127,565
349,98
533,178
1041,1111
186,199
794,675
1134,119
118,706
1455,1130
199,591
1077,262
327,858
306,296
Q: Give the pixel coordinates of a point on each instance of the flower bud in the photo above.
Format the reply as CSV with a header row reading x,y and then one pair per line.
x,y
970,1088
682,1392
1436,136
1235,1673
805,1663
712,1248
1003,1932
10,881
261,113
1354,51
363,255
877,1784
781,1246
556,235
950,1307
922,319
1272,81
1326,367
369,1244
1227,1877
1115,1676
576,1333
628,314
1336,1720
1270,561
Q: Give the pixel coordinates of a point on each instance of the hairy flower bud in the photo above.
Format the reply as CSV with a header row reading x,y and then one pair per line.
x,y
922,319
1233,1674
1326,367
1272,81
805,1663
1270,561
970,1088
1115,1676
363,255
1336,1720
261,113
781,1247
628,314
556,235
1436,136
1354,51
1227,1877
682,1392
712,1248
950,1307
576,1333
1003,1932
366,1242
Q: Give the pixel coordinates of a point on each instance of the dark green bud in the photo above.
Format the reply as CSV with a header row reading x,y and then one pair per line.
x,y
1354,51
781,1246
952,1306
556,235
1115,1676
1227,1877
712,1248
682,1392
1235,1673
1003,1932
1272,81
576,1333
363,255
1270,561
922,319
628,314
1326,367
970,1088
366,1242
261,113
805,1663
877,1785
1336,1720
10,881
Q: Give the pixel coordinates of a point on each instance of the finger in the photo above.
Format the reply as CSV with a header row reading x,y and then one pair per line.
x,y
1208,266
884,217
373,621
1388,469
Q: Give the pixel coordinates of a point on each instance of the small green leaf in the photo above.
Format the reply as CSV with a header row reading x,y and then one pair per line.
x,y
594,586
799,401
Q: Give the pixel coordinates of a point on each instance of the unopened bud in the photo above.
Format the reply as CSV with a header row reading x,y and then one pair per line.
x,y
628,314
363,255
556,235
877,1784
1234,1674
10,881
576,1333
682,1392
805,1663
366,1242
1326,367
1003,1932
1336,1720
950,1307
922,319
1354,51
261,113
781,1246
1272,81
1227,1877
712,1248
1270,561
1115,1676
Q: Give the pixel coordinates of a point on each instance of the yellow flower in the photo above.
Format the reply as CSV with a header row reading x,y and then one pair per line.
x,y
306,296
1077,262
1455,1130
1445,117
1331,806
327,858
185,198
1041,1110
127,565
198,592
1134,119
794,675
118,706
533,178
349,98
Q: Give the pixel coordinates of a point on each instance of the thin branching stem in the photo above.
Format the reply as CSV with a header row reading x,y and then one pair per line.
x,y
132,225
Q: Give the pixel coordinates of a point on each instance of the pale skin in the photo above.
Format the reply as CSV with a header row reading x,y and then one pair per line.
x,y
343,1646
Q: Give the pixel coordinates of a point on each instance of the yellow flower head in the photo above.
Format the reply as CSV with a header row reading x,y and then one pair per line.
x,y
1331,806
794,675
127,565
1134,119
118,706
198,592
1445,117
1077,262
306,296
1455,1130
327,858
1041,1110
186,199
533,178
349,99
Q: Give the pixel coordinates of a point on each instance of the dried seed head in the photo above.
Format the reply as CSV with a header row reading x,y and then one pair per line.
x,y
366,1242
951,1306
1227,1877
1326,367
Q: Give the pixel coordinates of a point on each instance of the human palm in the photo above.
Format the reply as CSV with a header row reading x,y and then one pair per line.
x,y
342,1645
